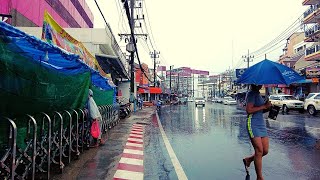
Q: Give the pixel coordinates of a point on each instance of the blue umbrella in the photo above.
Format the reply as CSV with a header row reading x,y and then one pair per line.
x,y
269,72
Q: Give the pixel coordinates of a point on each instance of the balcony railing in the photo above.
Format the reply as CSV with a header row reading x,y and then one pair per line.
x,y
315,28
312,50
312,9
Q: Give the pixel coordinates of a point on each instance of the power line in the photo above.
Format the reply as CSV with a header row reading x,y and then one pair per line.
x,y
284,35
149,26
262,53
126,6
296,22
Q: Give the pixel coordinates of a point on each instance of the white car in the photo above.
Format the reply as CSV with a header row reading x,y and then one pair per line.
x,y
200,101
312,103
287,102
229,101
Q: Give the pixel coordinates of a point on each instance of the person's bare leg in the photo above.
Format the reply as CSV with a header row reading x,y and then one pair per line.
x,y
258,153
265,144
249,159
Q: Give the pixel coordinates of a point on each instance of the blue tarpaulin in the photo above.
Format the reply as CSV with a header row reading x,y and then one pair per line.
x,y
49,55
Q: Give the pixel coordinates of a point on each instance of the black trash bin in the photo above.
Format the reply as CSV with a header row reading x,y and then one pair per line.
x,y
273,113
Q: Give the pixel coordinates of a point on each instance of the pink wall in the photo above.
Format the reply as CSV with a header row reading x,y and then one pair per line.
x,y
34,10
86,9
4,7
74,12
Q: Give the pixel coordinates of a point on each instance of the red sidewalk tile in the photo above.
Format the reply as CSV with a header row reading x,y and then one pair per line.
x,y
137,142
132,136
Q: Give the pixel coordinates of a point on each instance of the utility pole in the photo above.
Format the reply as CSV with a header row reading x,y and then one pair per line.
x,y
192,85
154,55
178,82
132,54
230,78
131,39
187,86
203,88
248,58
170,81
219,86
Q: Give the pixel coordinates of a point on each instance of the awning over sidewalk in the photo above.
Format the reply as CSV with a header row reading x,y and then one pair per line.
x,y
113,65
151,90
142,91
155,90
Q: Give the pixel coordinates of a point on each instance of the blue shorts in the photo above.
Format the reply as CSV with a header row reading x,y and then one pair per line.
x,y
256,129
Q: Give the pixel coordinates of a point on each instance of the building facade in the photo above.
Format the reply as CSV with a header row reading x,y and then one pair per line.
x,y
184,81
30,13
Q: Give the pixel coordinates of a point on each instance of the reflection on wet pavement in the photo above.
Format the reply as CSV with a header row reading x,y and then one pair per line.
x,y
211,141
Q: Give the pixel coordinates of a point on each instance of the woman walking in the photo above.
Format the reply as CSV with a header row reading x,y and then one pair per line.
x,y
256,129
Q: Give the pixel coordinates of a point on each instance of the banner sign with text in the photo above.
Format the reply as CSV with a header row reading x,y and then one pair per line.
x,y
53,33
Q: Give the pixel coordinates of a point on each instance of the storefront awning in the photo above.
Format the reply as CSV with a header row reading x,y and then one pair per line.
x,y
155,90
113,65
143,90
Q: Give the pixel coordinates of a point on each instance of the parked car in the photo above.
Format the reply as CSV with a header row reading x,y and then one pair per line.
x,y
287,102
229,101
219,100
312,103
200,101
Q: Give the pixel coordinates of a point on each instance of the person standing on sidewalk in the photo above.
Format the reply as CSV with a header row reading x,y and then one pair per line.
x,y
256,129
95,115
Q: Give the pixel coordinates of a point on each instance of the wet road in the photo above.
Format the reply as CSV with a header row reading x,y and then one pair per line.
x,y
210,143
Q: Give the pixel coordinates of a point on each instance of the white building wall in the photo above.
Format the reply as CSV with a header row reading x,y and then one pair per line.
x,y
96,40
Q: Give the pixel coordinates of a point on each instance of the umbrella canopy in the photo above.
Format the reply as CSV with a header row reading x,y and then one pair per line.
x,y
269,72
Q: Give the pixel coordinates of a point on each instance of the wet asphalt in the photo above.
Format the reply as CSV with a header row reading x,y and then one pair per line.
x,y
211,141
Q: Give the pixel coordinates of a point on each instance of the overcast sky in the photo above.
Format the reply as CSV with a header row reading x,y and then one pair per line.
x,y
208,35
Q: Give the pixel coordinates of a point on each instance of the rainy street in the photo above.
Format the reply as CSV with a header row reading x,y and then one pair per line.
x,y
210,143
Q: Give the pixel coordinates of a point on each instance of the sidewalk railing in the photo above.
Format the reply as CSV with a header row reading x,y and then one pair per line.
x,y
44,143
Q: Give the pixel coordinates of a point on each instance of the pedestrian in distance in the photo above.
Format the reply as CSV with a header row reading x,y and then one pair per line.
x,y
256,127
140,102
95,118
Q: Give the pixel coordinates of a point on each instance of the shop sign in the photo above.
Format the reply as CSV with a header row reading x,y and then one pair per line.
x,y
239,72
312,72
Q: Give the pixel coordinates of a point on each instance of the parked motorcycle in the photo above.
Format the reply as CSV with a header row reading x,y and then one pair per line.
x,y
124,110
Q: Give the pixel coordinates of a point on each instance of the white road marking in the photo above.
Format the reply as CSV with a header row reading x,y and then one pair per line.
x,y
136,135
135,139
176,164
134,144
131,161
132,151
123,174
137,132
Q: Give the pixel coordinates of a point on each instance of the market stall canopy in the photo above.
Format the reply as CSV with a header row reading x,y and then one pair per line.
x,y
269,72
